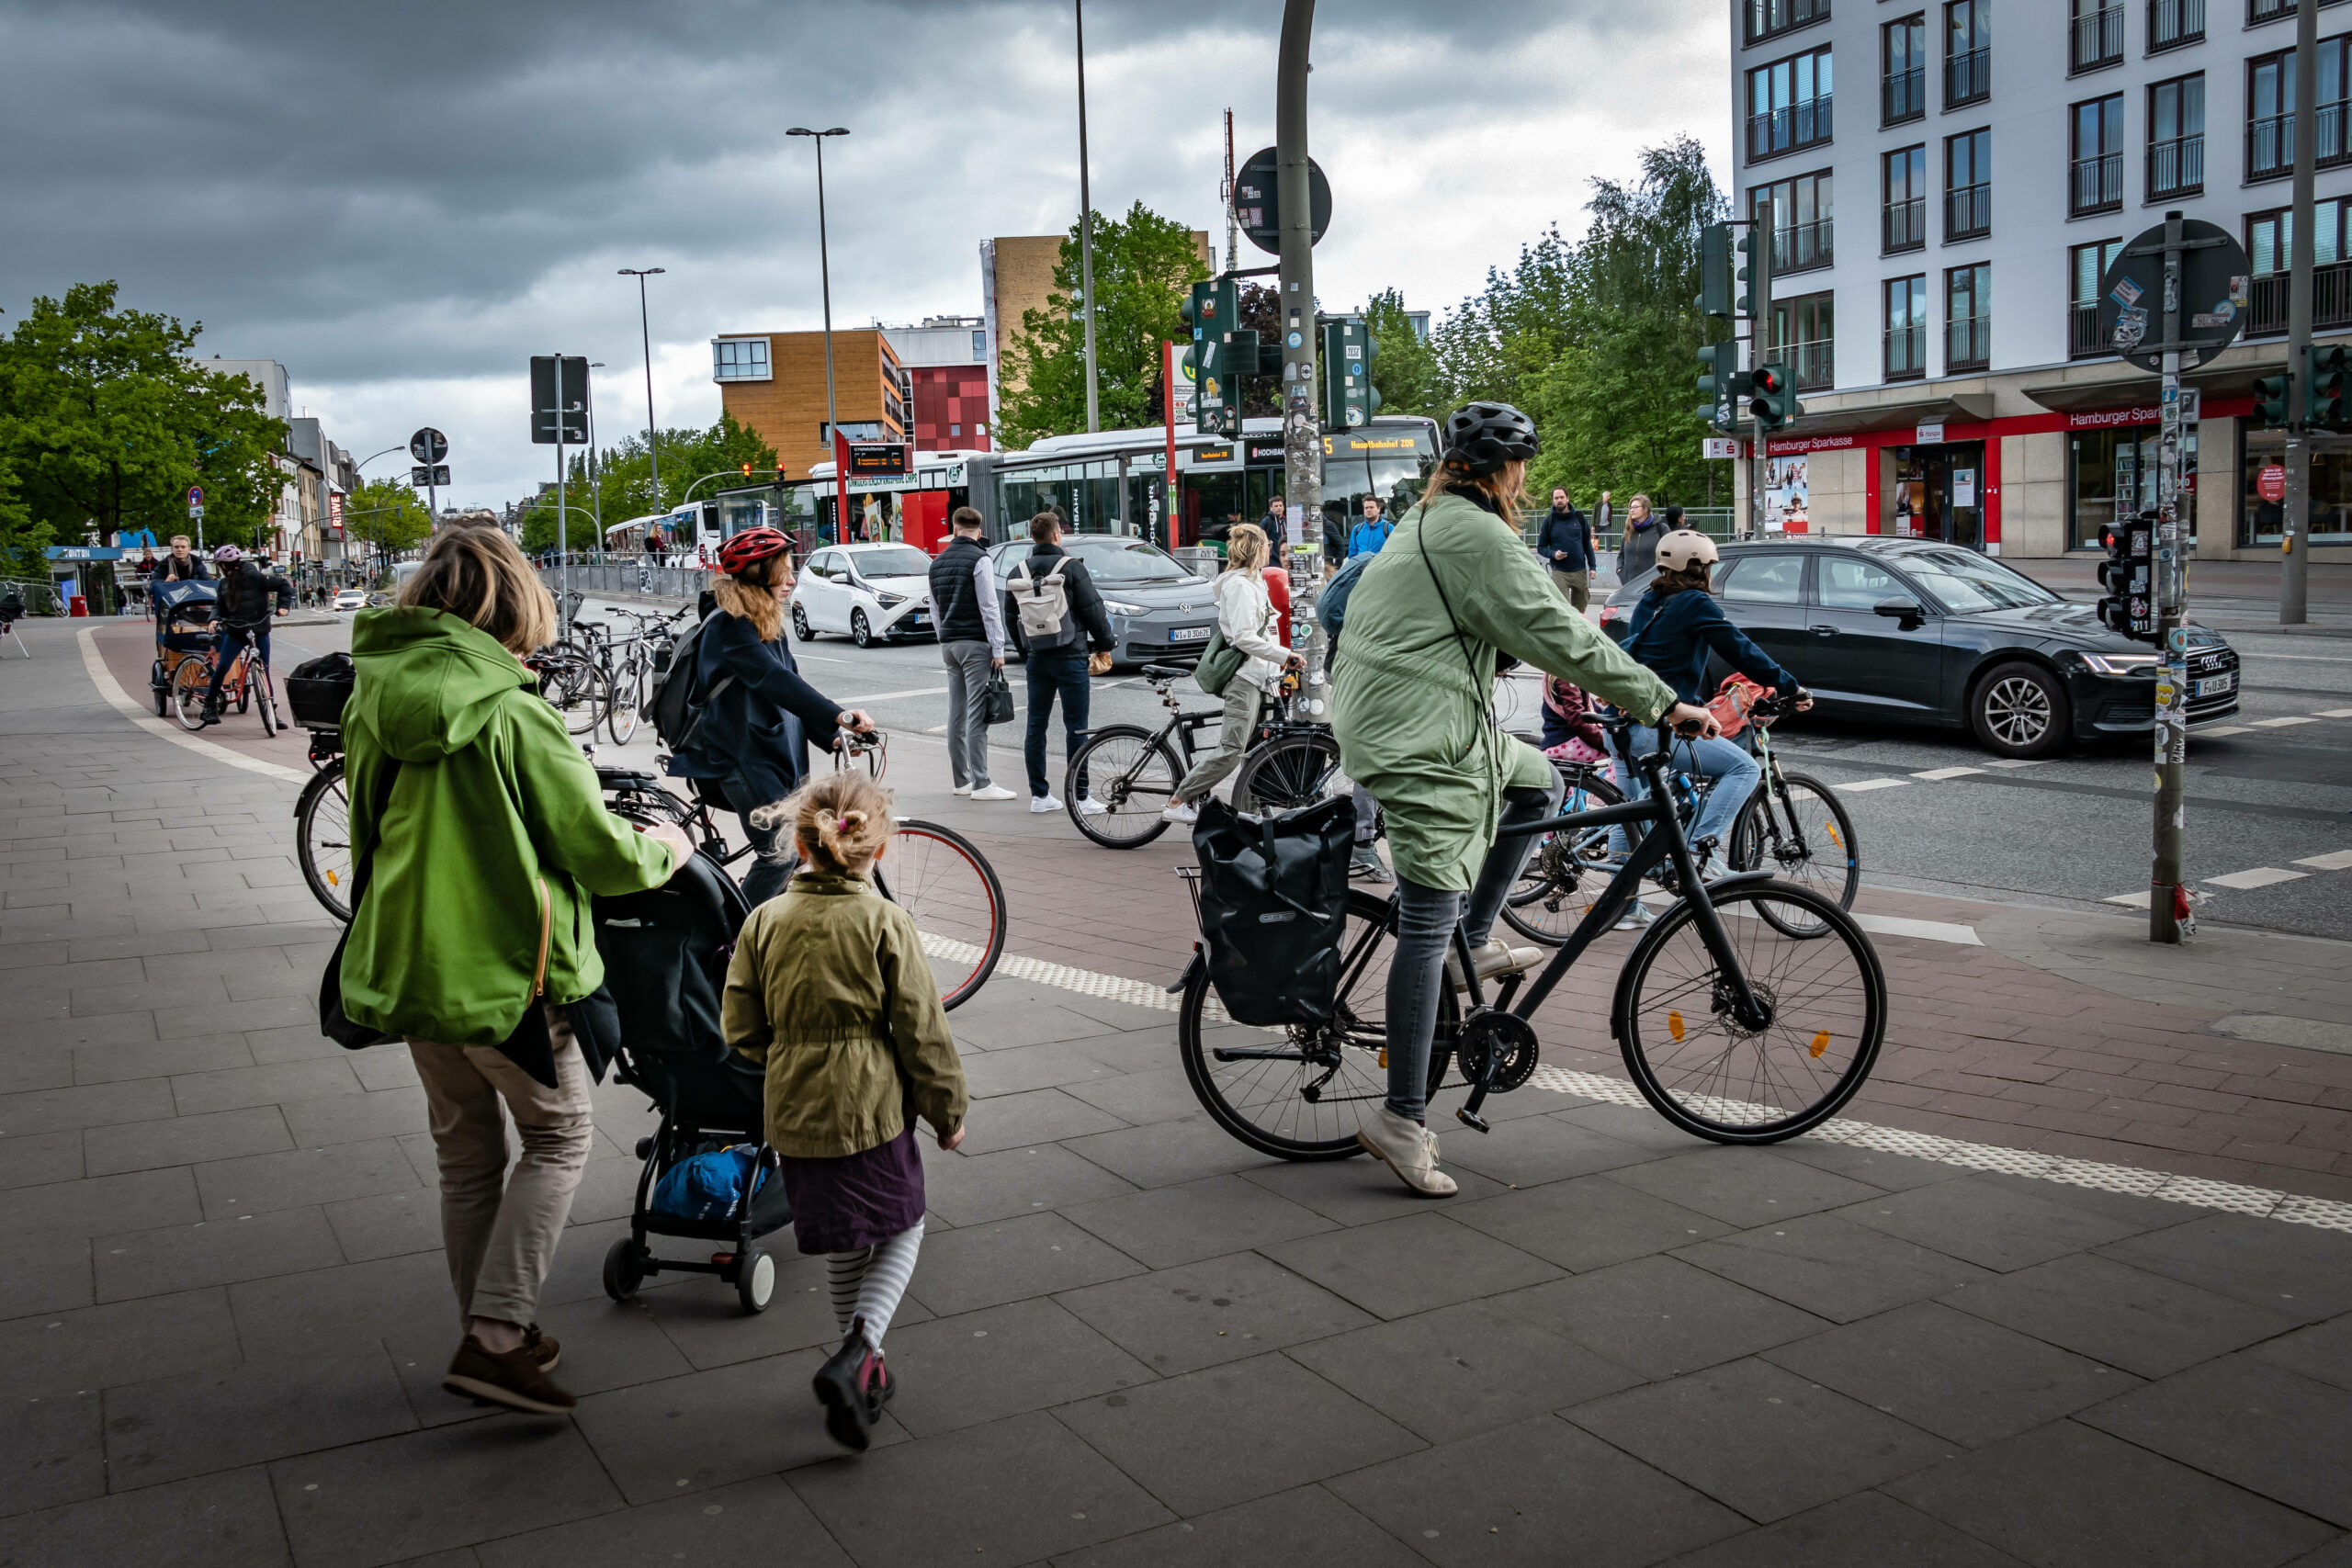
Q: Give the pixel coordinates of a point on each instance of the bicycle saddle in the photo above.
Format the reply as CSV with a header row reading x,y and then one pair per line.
x,y
1165,671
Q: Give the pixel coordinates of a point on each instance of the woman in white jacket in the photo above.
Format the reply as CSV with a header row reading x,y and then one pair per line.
x,y
1245,615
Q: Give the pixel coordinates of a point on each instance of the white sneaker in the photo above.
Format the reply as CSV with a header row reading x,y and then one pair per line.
x,y
1090,807
1493,958
1177,811
1635,917
1409,1149
1041,804
963,789
993,792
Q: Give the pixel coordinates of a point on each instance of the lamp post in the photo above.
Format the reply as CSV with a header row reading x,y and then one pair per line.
x,y
1086,231
825,274
595,495
652,441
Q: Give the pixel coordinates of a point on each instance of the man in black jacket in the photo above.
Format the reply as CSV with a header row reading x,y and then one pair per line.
x,y
1565,546
183,565
1057,662
970,613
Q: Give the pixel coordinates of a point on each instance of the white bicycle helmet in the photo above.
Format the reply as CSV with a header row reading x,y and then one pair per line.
x,y
1684,549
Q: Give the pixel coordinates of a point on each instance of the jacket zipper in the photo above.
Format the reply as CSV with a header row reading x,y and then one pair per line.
x,y
547,935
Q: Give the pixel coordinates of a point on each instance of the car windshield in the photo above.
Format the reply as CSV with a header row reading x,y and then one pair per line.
x,y
909,562
1127,560
1963,582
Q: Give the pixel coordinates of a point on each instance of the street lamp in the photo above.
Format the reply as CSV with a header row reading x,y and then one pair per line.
x,y
652,442
595,494
1086,229
825,272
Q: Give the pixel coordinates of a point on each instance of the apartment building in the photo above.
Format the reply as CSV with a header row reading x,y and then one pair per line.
x,y
774,383
1994,156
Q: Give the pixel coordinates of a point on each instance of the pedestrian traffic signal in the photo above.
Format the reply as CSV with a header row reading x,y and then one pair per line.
x,y
1774,396
1348,396
2327,387
1214,311
2127,575
1744,297
1714,270
1722,384
2270,400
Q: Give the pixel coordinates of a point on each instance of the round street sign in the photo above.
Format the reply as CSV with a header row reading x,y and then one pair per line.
x,y
196,495
2213,298
428,445
1254,202
2271,484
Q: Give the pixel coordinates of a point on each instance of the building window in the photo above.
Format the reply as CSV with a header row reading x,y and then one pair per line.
x,y
1787,105
1903,50
2096,38
2270,111
1907,328
980,346
2085,265
954,429
2112,474
1968,185
852,430
1968,52
1770,18
2176,138
1804,328
2331,489
1904,224
2269,248
1968,318
2172,23
2275,10
2098,134
740,359
1798,212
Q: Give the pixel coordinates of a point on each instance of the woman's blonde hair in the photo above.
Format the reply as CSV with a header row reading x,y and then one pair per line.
x,y
1245,547
840,822
478,575
1637,498
1506,488
753,597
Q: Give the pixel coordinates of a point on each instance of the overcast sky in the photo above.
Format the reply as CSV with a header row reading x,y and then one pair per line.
x,y
401,202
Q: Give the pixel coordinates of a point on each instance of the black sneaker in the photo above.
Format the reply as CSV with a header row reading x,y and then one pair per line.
x,y
852,1387
514,1379
211,715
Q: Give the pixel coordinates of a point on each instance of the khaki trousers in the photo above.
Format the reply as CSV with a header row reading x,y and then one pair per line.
x,y
500,1231
1577,585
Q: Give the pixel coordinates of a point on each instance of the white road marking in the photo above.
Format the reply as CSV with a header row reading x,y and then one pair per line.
x,y
891,696
1947,772
2260,876
2281,723
2017,762
1927,930
117,698
1859,785
2340,860
2336,713
2218,729
2129,900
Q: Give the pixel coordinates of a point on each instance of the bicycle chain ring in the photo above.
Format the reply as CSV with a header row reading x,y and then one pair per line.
x,y
1504,1032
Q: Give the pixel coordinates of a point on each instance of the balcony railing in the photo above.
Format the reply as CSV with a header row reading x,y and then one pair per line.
x,y
2330,301
2270,140
1968,211
1803,246
2083,341
2272,10
1968,77
1905,225
1903,96
1907,352
1967,343
2175,22
1767,19
1786,130
2176,166
2098,39
1811,363
2097,185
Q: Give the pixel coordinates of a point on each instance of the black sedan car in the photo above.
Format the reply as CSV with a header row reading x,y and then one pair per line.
x,y
1157,609
1925,633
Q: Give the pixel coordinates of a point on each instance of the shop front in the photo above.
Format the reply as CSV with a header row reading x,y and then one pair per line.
x,y
1937,492
2259,514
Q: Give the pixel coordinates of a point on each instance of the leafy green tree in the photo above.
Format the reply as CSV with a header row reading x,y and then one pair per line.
x,y
107,421
1144,264
387,517
621,486
1405,372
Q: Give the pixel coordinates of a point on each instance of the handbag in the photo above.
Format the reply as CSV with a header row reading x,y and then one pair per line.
x,y
997,701
1273,908
1220,662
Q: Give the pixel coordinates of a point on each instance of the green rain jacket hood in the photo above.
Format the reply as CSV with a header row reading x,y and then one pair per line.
x,y
494,836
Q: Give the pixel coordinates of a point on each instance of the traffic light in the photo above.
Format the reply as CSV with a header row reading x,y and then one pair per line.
x,y
747,471
1349,398
1212,311
1752,270
1774,396
2127,576
2327,387
1723,383
2270,400
1714,270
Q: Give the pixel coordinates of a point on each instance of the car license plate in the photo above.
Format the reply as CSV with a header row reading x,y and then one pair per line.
x,y
2216,685
1190,634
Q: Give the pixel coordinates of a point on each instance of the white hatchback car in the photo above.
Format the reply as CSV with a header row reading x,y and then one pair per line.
x,y
351,599
875,593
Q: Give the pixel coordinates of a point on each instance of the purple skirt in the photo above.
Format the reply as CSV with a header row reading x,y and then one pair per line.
x,y
857,1200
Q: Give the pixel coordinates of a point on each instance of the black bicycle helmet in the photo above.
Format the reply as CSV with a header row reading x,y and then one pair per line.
x,y
1481,437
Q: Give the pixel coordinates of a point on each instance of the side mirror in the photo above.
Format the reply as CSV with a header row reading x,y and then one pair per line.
x,y
1906,611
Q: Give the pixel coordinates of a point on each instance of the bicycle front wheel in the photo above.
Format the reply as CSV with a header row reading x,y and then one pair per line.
x,y
1302,1091
323,839
1290,773
265,692
1800,834
1564,872
620,710
189,683
937,876
1129,772
1822,1003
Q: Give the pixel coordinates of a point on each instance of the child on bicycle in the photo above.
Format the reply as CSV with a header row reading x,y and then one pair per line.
x,y
829,990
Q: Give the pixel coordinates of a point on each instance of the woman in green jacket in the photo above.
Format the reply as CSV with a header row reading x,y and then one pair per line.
x,y
1454,588
484,835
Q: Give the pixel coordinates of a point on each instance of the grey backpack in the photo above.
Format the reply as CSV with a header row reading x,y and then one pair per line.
x,y
1041,602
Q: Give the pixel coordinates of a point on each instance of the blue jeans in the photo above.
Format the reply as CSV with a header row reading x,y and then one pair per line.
x,y
1725,762
1060,671
224,649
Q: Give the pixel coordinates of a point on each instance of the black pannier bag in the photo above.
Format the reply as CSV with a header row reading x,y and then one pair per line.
x,y
1273,895
317,690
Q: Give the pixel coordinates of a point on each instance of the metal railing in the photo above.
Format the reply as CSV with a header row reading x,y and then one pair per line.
x,y
1767,17
1968,211
1967,343
1907,352
1968,77
40,597
2083,341
2270,140
2172,22
1812,363
1802,245
2096,38
1903,95
1790,127
2265,313
1904,225
2176,166
2097,184
684,582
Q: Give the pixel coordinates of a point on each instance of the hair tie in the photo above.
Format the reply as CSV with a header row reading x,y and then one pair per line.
x,y
840,824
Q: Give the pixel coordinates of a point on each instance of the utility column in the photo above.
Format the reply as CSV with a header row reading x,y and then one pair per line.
x,y
1302,438
2295,530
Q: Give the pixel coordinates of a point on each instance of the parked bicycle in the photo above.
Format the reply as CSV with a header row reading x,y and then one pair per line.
x,y
628,662
1133,772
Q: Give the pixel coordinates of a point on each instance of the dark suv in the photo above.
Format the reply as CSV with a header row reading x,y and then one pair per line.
x,y
1927,633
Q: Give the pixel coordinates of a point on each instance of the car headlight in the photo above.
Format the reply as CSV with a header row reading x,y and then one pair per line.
x,y
1117,608
888,601
2123,663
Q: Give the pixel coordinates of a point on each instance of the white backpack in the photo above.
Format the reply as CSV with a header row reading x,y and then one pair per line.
x,y
1041,602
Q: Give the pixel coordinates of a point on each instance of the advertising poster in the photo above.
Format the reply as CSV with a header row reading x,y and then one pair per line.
x,y
1785,497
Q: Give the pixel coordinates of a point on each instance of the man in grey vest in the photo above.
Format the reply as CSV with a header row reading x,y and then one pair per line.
x,y
970,613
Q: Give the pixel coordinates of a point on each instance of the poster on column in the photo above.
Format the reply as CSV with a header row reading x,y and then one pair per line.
x,y
1786,500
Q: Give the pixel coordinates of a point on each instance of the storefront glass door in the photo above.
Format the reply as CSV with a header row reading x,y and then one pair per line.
x,y
1939,492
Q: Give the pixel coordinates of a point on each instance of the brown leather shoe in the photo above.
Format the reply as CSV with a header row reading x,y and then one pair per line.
x,y
542,1347
514,1379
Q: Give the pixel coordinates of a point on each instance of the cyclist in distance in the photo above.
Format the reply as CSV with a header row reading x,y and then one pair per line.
x,y
758,714
1454,591
245,590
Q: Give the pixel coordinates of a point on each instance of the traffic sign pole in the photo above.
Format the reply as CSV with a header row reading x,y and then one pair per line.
x,y
2294,527
1302,436
2168,917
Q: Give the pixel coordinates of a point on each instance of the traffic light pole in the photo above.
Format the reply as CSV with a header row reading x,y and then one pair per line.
x,y
1759,332
2294,528
1302,438
2166,904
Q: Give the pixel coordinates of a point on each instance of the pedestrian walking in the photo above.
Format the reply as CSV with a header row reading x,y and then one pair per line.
x,y
758,714
830,991
1411,709
1565,546
486,836
968,610
1245,614
1275,526
1372,531
1055,591
1638,550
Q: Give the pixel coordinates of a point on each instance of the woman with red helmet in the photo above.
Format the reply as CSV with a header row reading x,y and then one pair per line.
x,y
759,716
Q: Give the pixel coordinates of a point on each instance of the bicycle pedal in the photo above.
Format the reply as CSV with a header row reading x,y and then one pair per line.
x,y
1471,1120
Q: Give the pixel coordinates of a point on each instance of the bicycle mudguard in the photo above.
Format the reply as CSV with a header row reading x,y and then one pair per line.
x,y
1198,965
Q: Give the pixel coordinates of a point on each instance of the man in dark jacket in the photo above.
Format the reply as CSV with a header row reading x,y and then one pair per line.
x,y
247,590
970,613
183,565
1059,665
1565,546
1275,526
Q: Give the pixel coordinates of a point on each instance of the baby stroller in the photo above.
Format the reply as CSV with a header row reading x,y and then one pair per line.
x,y
665,954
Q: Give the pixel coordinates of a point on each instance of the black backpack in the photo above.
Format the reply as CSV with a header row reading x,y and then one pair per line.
x,y
678,704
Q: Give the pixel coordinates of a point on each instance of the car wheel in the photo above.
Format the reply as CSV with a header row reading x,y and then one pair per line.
x,y
860,632
2019,710
800,626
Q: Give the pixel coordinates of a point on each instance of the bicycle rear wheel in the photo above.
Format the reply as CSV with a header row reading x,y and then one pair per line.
x,y
937,876
1130,772
1290,773
621,704
323,839
189,683
1801,834
1306,1091
1825,1000
1565,871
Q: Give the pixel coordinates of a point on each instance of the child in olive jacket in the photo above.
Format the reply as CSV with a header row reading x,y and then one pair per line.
x,y
829,990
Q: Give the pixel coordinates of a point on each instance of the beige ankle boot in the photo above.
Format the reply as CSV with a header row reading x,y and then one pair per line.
x,y
1407,1148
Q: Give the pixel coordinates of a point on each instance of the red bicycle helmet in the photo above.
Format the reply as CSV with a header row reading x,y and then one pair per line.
x,y
750,548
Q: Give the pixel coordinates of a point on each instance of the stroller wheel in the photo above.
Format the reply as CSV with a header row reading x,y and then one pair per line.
x,y
755,1279
624,1269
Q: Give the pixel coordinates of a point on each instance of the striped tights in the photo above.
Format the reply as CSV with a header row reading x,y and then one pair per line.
x,y
867,1283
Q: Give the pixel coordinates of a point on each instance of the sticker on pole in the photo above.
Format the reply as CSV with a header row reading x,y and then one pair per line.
x,y
2211,295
